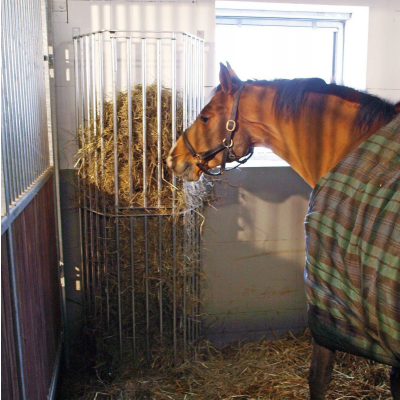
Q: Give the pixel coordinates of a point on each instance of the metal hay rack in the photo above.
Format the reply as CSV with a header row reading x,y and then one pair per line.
x,y
140,226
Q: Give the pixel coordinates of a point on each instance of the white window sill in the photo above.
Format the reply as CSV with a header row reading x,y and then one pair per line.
x,y
264,158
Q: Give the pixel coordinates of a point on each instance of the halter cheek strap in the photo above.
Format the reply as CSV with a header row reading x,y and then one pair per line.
x,y
226,146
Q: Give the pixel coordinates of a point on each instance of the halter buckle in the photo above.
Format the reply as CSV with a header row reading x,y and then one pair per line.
x,y
230,125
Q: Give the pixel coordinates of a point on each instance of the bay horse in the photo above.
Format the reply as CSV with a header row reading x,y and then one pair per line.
x,y
346,145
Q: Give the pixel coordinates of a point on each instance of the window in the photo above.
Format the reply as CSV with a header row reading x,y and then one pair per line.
x,y
285,41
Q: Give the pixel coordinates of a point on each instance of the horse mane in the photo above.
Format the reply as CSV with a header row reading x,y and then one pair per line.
x,y
292,94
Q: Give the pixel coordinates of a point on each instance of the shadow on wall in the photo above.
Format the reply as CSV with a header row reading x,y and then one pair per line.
x,y
253,248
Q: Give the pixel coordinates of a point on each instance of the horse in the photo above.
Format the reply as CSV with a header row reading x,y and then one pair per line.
x,y
346,145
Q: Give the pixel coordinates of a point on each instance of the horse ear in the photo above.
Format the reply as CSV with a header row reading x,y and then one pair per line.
x,y
232,73
225,79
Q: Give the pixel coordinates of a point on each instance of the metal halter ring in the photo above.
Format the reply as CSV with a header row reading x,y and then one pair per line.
x,y
229,127
230,144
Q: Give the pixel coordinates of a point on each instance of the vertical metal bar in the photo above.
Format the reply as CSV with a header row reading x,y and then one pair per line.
x,y
191,74
132,255
5,128
196,272
88,81
116,188
101,117
190,261
84,171
144,113
91,266
77,93
96,188
196,76
159,128
202,76
82,63
146,264
115,119
144,109
79,132
185,81
185,277
160,269
5,148
174,217
334,58
130,147
130,139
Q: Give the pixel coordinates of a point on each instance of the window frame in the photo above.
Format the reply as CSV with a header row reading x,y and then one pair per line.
x,y
314,20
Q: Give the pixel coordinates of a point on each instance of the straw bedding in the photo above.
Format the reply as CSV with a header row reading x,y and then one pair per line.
x,y
262,370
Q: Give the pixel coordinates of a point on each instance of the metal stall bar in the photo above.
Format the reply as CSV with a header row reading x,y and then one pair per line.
x,y
159,176
97,263
144,107
86,287
130,146
185,325
144,113
90,102
202,76
5,127
160,270
195,266
159,127
174,255
116,187
101,117
78,112
185,82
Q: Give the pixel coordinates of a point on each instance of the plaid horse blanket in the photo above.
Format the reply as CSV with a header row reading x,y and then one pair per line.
x,y
352,271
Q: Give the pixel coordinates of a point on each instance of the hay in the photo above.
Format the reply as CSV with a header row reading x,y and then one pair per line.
x,y
261,370
96,154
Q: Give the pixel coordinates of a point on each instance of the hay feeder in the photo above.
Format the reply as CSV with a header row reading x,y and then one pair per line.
x,y
140,226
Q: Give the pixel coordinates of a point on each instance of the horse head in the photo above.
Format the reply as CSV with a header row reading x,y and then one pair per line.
x,y
215,137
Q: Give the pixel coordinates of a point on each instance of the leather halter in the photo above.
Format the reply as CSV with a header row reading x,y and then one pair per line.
x,y
226,146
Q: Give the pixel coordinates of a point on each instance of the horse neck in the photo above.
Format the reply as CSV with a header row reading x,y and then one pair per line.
x,y
313,143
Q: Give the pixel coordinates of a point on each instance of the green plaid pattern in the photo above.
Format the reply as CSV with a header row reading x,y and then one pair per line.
x,y
352,269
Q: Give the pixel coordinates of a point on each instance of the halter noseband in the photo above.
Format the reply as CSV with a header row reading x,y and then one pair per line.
x,y
226,146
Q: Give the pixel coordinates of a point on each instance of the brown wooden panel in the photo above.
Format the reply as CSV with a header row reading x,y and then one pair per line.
x,y
9,368
35,254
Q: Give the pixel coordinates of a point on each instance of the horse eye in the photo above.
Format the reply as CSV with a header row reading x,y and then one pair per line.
x,y
203,118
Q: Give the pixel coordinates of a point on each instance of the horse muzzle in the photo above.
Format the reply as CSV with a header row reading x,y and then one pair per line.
x,y
185,169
